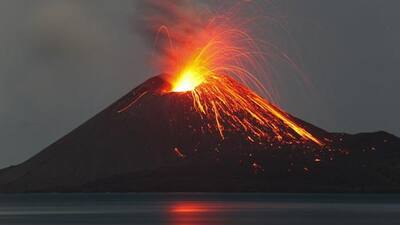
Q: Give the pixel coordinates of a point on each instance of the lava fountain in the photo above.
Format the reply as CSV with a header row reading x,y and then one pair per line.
x,y
217,64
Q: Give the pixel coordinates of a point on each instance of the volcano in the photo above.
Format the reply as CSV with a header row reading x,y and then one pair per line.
x,y
152,140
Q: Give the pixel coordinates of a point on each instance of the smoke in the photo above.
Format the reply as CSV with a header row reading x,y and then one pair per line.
x,y
170,24
177,29
174,29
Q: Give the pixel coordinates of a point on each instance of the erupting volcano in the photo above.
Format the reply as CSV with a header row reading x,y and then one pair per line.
x,y
217,64
205,124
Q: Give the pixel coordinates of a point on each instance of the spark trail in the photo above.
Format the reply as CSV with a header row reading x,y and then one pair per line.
x,y
218,62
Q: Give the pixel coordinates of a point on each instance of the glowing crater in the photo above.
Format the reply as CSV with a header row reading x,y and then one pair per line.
x,y
188,80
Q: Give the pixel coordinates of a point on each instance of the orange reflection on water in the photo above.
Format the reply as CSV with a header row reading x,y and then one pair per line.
x,y
190,207
194,213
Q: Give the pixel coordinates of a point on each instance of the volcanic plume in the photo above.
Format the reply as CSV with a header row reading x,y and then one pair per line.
x,y
205,125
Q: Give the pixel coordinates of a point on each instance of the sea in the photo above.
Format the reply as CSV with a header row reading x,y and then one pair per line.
x,y
200,209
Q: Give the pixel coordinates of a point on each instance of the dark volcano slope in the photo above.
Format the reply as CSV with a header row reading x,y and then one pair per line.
x,y
149,141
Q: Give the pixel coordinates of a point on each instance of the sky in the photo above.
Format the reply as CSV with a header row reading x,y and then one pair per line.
x,y
63,61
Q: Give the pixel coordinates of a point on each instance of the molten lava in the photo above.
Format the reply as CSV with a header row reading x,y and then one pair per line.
x,y
206,68
216,60
233,106
188,81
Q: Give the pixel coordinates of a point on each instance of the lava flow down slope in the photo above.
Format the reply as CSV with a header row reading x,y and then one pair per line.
x,y
152,140
207,124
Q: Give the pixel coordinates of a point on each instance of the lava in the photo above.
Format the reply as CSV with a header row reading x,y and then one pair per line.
x,y
188,81
217,62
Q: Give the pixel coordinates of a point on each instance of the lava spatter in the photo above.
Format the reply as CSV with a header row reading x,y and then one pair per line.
x,y
218,65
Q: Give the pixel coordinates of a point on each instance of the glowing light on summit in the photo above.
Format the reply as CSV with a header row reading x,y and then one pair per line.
x,y
218,64
188,80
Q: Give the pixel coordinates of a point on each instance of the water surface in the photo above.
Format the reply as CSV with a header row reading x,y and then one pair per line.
x,y
199,209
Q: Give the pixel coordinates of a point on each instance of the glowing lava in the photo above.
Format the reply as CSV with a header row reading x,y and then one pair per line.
x,y
188,81
217,65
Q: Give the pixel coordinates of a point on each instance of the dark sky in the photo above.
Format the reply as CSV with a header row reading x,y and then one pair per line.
x,y
62,61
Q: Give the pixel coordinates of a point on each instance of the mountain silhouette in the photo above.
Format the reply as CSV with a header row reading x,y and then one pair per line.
x,y
150,140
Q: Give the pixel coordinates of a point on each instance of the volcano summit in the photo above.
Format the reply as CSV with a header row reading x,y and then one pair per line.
x,y
156,140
